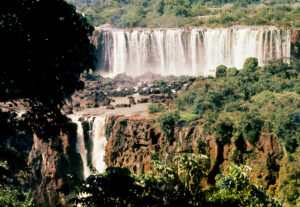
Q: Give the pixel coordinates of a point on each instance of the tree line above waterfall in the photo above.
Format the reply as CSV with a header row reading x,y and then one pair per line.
x,y
188,13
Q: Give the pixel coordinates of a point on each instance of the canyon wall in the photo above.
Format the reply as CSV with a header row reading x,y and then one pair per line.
x,y
133,141
296,43
50,163
196,51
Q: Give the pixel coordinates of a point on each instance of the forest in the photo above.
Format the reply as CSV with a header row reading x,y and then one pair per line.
x,y
189,13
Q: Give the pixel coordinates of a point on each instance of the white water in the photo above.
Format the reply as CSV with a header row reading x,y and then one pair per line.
x,y
196,51
80,148
97,136
99,143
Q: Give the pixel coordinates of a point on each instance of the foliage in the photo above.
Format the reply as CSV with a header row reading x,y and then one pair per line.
x,y
243,105
53,49
187,13
15,198
250,65
167,121
188,117
234,188
221,71
49,64
289,187
179,183
155,108
116,187
232,71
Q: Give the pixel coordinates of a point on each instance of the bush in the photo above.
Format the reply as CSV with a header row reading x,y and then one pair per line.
x,y
155,108
249,125
221,71
232,72
167,121
250,65
188,117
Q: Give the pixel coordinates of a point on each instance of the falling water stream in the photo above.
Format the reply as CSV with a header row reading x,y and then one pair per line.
x,y
80,146
98,139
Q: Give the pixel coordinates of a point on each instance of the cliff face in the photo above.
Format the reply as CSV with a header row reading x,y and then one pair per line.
x,y
132,141
50,162
295,43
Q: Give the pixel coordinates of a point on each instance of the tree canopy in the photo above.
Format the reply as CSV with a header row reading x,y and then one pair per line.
x,y
46,46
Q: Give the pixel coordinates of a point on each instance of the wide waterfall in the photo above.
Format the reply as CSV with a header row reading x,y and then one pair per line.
x,y
196,51
97,138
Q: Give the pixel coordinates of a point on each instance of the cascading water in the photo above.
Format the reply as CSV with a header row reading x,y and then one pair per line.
x,y
99,142
80,148
196,51
98,139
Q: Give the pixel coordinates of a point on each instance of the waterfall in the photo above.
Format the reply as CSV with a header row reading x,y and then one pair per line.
x,y
80,145
196,51
98,139
99,143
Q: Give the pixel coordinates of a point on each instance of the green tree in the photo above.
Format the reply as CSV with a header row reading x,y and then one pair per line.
x,y
167,121
234,188
289,187
221,71
250,66
47,47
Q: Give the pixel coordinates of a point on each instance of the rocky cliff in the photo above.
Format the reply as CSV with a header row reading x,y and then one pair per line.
x,y
50,163
295,43
132,141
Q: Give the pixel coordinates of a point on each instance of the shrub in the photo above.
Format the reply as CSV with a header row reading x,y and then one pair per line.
x,y
232,72
221,71
188,117
155,108
223,129
167,121
249,125
250,65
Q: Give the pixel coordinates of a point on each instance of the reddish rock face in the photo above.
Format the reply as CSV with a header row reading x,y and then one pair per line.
x,y
132,141
50,162
44,162
295,43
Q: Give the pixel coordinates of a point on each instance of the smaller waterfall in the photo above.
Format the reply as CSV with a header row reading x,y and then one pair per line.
x,y
99,143
80,148
98,139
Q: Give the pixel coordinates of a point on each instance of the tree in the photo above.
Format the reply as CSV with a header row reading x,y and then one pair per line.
x,y
221,71
234,188
115,187
250,65
46,46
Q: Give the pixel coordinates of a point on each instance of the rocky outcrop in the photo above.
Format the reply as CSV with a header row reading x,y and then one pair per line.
x,y
295,43
133,141
50,163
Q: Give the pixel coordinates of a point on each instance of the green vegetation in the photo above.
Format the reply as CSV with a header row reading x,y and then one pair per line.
x,y
179,183
255,99
289,187
155,108
183,13
36,78
167,121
